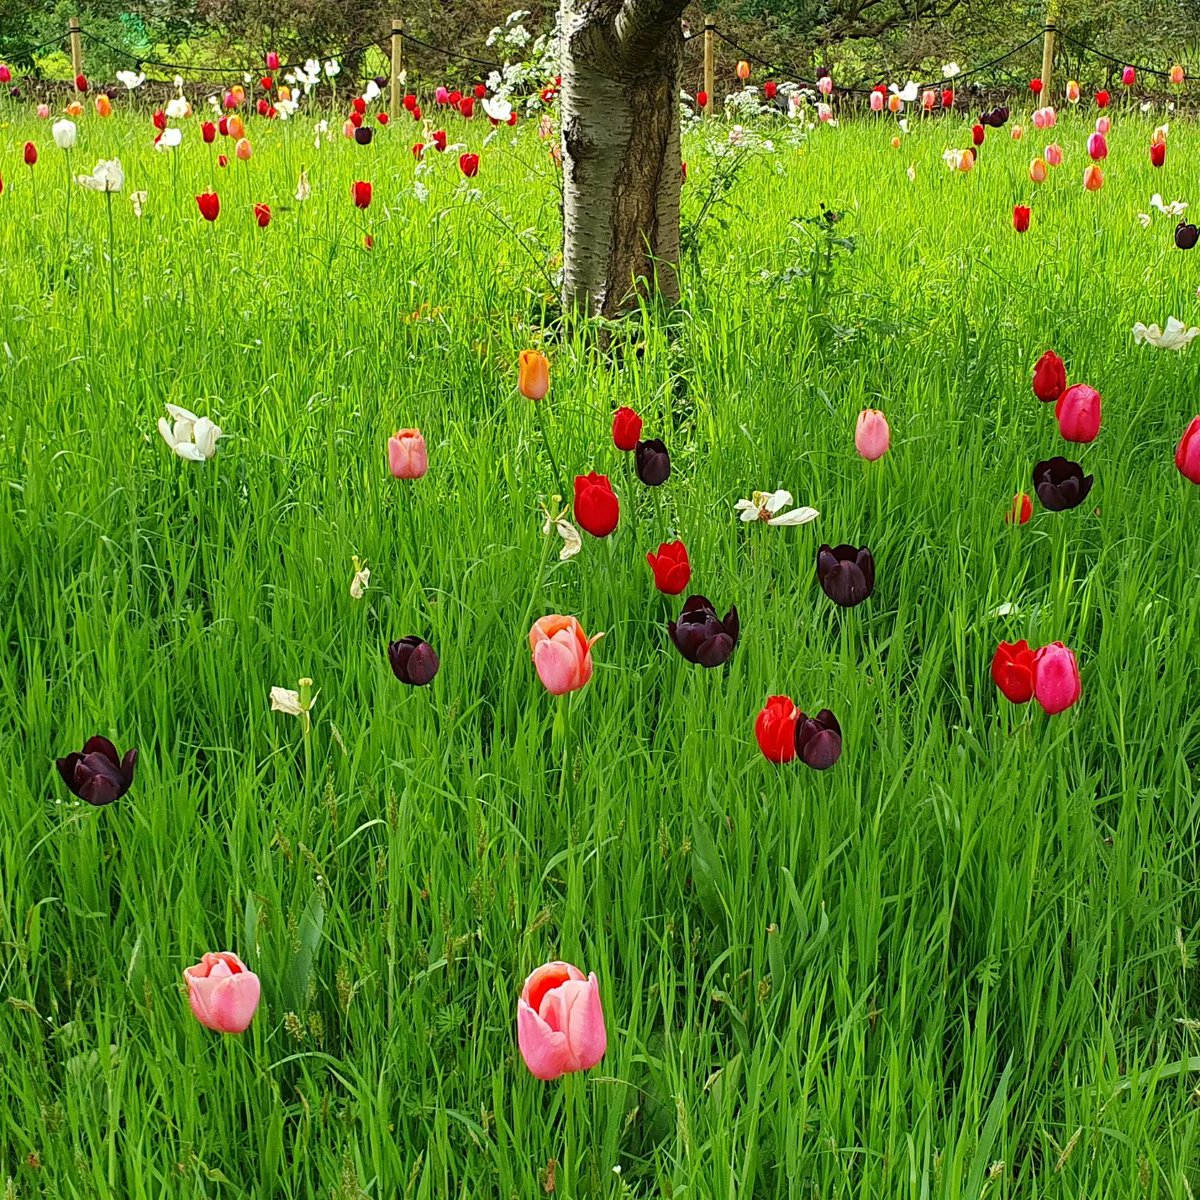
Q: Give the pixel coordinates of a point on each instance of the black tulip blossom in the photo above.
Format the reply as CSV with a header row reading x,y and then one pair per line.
x,y
1186,235
819,740
703,637
413,660
846,573
994,118
1061,484
652,462
98,774
363,135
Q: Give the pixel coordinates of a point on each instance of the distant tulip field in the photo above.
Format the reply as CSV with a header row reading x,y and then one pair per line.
x,y
747,749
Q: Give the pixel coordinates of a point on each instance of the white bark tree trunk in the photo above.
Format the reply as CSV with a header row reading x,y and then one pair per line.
x,y
622,63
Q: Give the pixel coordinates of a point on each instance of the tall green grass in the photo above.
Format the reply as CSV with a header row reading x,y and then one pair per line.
x,y
961,962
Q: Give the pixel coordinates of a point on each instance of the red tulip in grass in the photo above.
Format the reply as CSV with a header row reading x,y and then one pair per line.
x,y
1020,217
1012,671
223,992
1049,377
262,214
597,509
469,165
775,729
1187,456
626,429
209,204
672,570
1020,510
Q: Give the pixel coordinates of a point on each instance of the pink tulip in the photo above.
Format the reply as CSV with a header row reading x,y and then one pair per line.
x,y
1097,147
442,95
1078,412
1018,132
562,653
43,112
1054,154
877,102
872,436
408,457
223,992
1128,76
560,1022
1056,684
1104,125
825,85
1187,455
1039,118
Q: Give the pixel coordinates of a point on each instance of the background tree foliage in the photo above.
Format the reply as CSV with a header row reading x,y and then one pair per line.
x,y
859,39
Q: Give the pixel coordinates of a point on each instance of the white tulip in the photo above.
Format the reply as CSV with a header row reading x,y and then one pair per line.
x,y
191,437
372,92
1176,336
107,177
131,79
361,580
767,507
178,108
169,139
498,108
303,187
332,68
64,133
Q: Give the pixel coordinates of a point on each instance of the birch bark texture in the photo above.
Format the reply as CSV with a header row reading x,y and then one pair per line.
x,y
621,75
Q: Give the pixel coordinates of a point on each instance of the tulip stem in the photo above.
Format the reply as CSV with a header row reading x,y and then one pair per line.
x,y
537,416
112,255
67,157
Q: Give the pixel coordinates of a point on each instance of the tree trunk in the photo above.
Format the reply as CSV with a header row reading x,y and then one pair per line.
x,y
622,65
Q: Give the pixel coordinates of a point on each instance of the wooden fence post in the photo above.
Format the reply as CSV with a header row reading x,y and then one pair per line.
x,y
1048,51
76,52
397,65
708,64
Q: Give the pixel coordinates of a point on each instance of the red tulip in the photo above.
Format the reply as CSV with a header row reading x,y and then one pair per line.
x,y
466,106
1187,457
455,97
1129,77
223,126
947,97
361,193
1012,671
439,140
262,214
272,61
81,83
978,133
775,729
480,91
359,105
410,102
1078,413
416,113
1035,86
159,120
209,204
770,89
382,118
702,98
222,160
355,119
512,118
469,165
1158,153
30,154
626,429
263,107
208,131
1102,99
1021,216
266,83
1020,511
672,570
683,172
597,509
1049,377
1,184
418,150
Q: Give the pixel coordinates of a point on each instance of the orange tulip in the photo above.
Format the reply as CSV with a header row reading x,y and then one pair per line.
x,y
1093,179
103,105
285,93
533,374
896,143
743,70
242,150
1038,170
895,104
74,109
1176,74
236,127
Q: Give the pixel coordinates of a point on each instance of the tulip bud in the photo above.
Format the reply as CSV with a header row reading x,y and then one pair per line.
x,y
978,133
1097,147
597,509
1012,671
872,435
1177,75
533,374
1158,154
98,774
1038,170
408,457
702,98
775,729
1103,125
701,636
743,70
1021,215
770,89
895,104
469,165
209,204
626,429
1020,510
672,570
1056,684
223,992
262,214
652,462
1049,377
30,154
819,740
846,574
1102,98
413,661
560,1021
242,150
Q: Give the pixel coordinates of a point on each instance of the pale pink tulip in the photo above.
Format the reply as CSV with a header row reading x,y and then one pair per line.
x,y
877,102
872,436
1056,683
562,653
1054,154
223,992
825,85
408,457
560,1022
1103,125
43,111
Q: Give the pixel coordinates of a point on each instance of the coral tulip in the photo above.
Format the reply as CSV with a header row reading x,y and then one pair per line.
x,y
1176,76
209,204
1038,170
236,127
98,774
560,1021
846,573
872,435
1061,484
533,374
1078,413
243,150
743,70
626,429
103,106
672,570
895,104
562,653
1187,456
408,456
703,637
223,992
1053,154
413,660
1021,215
1056,684
1012,671
775,729
1093,179
597,509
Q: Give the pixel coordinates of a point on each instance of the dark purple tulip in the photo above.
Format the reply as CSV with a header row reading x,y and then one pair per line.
x,y
1186,235
701,636
413,660
15,93
1061,484
819,740
994,118
363,135
652,462
846,574
98,774
381,81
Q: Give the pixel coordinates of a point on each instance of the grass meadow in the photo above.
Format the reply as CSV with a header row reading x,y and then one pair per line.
x,y
962,962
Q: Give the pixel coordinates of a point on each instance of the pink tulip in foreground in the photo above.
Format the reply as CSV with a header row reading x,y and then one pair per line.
x,y
1056,684
560,1023
872,436
1187,456
223,992
407,456
562,653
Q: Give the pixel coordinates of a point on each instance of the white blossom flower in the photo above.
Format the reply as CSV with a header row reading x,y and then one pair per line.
x,y
361,580
951,70
372,92
556,521
333,68
908,93
498,108
768,507
1176,336
169,138
138,200
64,134
191,437
131,79
1175,209
178,108
107,177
